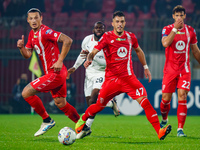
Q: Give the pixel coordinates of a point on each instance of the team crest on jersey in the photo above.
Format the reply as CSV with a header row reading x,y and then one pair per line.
x,y
120,39
180,45
163,31
122,52
49,31
35,36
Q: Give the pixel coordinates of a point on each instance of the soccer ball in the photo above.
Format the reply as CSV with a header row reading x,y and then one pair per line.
x,y
66,136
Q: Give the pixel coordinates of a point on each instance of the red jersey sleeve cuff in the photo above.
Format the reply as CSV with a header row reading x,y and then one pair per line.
x,y
193,43
28,47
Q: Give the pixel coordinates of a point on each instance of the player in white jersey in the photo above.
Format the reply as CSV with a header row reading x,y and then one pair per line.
x,y
94,75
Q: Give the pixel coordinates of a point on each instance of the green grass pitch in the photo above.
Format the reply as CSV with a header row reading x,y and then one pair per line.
x,y
108,133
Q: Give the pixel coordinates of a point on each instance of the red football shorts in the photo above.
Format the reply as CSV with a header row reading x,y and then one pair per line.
x,y
53,82
171,80
115,86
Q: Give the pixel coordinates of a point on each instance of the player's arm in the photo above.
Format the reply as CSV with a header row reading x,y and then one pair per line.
x,y
26,53
79,61
167,40
90,57
142,59
67,42
195,52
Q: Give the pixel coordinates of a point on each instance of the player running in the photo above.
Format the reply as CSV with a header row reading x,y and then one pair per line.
x,y
177,39
119,77
94,76
44,40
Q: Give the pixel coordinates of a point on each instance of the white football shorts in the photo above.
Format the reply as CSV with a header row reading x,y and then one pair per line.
x,y
93,82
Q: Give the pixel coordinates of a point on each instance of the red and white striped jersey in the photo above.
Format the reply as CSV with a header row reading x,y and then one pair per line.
x,y
45,43
177,54
118,53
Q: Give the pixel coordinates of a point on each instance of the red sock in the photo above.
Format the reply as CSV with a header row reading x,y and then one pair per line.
x,y
181,113
37,105
70,112
92,110
150,114
164,108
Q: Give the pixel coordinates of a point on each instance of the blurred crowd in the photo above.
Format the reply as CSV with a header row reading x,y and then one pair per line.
x,y
155,8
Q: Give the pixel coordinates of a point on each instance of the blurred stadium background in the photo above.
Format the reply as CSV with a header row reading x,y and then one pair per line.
x,y
76,18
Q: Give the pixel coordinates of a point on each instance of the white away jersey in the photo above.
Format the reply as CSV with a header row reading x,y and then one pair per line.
x,y
98,64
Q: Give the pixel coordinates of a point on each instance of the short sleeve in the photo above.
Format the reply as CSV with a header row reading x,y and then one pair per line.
x,y
166,31
84,43
193,37
51,35
102,43
134,41
29,42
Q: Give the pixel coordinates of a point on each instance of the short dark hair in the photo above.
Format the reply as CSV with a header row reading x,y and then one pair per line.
x,y
178,8
100,22
34,10
118,13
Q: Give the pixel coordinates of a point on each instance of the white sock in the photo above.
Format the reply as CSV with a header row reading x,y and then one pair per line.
x,y
89,122
180,129
109,104
165,120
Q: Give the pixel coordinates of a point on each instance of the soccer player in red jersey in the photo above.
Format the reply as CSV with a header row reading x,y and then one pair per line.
x,y
119,77
44,41
177,38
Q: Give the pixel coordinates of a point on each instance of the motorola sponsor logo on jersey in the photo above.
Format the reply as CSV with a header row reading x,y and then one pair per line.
x,y
122,52
180,45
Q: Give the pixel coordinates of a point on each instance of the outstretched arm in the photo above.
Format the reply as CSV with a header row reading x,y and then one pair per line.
x,y
67,41
90,57
26,53
196,52
142,59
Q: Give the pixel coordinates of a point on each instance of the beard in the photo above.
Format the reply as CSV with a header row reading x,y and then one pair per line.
x,y
98,36
119,33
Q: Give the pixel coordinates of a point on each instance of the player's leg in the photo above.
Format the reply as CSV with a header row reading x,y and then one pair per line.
x,y
90,120
68,109
165,107
87,128
181,111
136,90
169,84
59,94
183,86
105,95
152,117
112,103
35,102
97,82
90,96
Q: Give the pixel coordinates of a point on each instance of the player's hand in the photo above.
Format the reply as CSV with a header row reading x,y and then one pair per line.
x,y
87,63
70,71
20,42
147,74
178,23
84,54
57,66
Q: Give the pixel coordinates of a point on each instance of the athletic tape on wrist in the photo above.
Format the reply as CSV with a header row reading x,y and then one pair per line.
x,y
174,30
146,67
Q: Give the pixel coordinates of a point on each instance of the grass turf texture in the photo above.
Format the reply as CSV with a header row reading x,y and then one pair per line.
x,y
108,132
